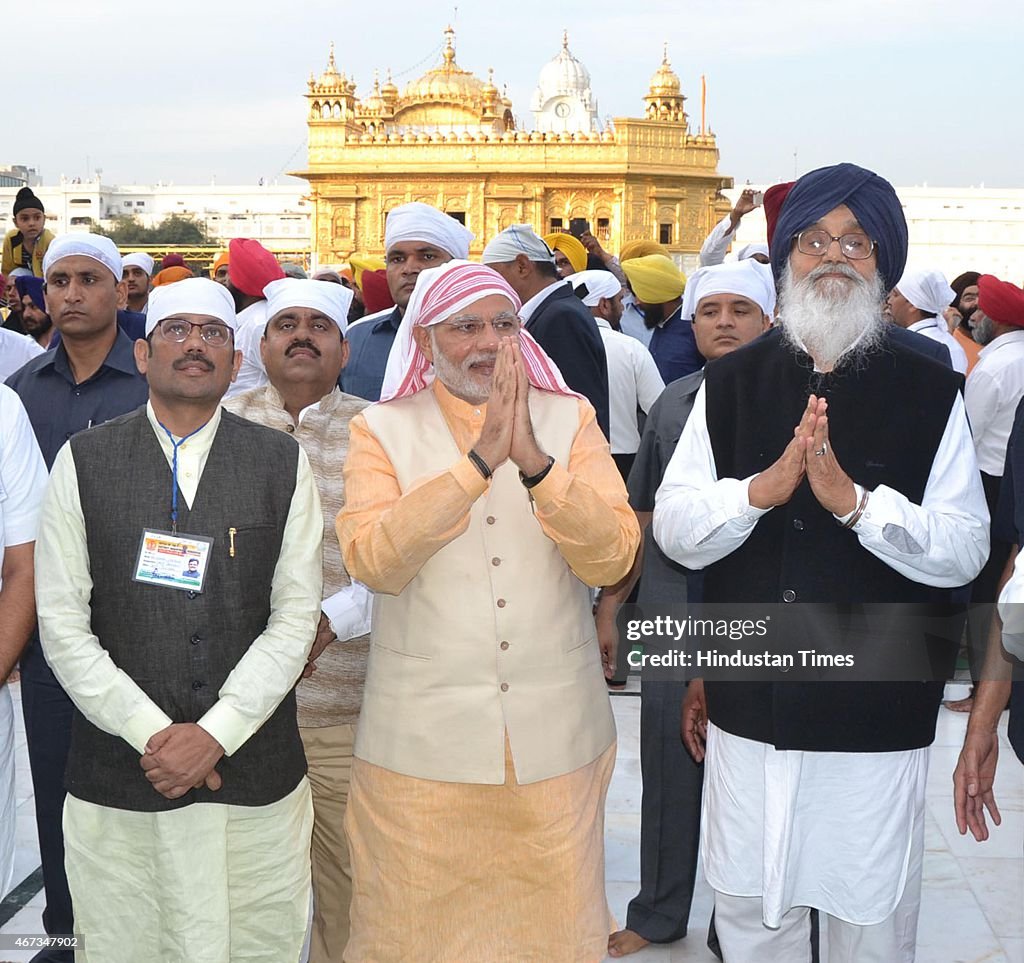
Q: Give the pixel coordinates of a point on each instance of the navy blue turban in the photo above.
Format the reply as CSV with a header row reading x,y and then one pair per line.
x,y
33,287
871,198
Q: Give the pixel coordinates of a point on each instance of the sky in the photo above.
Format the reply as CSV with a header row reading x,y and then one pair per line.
x,y
921,91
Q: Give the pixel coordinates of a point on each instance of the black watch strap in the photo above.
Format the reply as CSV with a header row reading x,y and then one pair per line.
x,y
531,481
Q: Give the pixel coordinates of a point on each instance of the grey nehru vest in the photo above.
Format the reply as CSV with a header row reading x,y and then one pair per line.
x,y
178,646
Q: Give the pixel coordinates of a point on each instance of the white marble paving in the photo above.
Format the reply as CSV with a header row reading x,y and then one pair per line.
x,y
972,902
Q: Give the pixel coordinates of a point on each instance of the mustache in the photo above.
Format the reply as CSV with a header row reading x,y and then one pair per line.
x,y
481,357
193,358
296,345
844,269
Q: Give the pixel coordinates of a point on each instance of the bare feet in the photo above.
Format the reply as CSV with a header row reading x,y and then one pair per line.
x,y
960,705
625,942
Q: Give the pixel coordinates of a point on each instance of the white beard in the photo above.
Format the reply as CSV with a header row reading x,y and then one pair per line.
x,y
457,378
832,319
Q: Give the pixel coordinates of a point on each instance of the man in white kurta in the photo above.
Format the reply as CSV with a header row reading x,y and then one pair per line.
x,y
823,464
22,481
188,816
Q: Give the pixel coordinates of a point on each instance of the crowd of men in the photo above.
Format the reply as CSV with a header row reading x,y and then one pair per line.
x,y
318,604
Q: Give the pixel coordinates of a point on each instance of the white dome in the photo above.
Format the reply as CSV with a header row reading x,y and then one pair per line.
x,y
565,75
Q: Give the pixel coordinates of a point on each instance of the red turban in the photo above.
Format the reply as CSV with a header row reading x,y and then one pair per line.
x,y
1002,301
773,200
376,293
251,267
172,260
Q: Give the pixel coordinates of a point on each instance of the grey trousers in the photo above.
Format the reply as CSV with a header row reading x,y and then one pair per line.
x,y
669,818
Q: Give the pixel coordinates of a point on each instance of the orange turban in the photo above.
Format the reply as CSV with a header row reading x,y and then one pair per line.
x,y
222,260
170,275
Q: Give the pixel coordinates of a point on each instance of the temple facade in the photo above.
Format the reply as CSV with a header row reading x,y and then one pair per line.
x,y
450,139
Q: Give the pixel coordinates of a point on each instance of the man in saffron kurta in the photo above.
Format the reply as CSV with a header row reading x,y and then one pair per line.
x,y
479,508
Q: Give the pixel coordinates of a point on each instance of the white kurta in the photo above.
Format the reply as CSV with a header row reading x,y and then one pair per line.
x,y
839,831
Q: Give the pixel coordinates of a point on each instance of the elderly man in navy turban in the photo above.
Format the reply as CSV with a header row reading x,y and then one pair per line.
x,y
826,463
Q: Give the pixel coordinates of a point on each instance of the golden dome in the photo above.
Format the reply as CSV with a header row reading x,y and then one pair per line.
x,y
665,82
389,91
449,82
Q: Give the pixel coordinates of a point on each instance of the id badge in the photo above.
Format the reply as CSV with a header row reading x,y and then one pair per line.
x,y
173,560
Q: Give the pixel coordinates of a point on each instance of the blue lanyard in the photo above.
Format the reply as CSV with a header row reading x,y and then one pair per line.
x,y
174,469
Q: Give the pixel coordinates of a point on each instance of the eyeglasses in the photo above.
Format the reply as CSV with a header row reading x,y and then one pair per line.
x,y
178,330
504,326
816,243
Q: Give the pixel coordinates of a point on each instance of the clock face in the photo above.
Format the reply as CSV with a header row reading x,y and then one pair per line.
x,y
562,110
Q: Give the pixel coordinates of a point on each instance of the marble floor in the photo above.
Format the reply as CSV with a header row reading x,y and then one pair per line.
x,y
972,904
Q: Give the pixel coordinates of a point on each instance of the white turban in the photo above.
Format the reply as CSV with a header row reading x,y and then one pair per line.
x,y
140,260
96,246
515,240
331,300
190,296
928,291
746,279
597,284
749,250
421,222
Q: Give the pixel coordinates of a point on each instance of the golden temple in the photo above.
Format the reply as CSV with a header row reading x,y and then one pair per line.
x,y
450,139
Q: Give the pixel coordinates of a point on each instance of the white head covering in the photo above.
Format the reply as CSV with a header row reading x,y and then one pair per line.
x,y
331,300
140,260
749,250
96,246
20,272
928,290
746,279
421,222
515,240
599,284
190,296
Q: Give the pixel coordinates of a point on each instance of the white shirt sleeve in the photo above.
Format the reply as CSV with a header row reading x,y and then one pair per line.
x,y
943,542
349,610
981,396
22,472
712,251
649,383
1011,610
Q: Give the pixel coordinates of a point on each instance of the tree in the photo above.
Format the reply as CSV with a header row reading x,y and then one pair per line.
x,y
175,229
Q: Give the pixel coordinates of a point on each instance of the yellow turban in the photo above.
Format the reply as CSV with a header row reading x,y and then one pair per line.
x,y
365,262
641,248
654,278
570,247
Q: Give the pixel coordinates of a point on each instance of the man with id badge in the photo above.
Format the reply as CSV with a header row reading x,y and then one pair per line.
x,y
188,816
